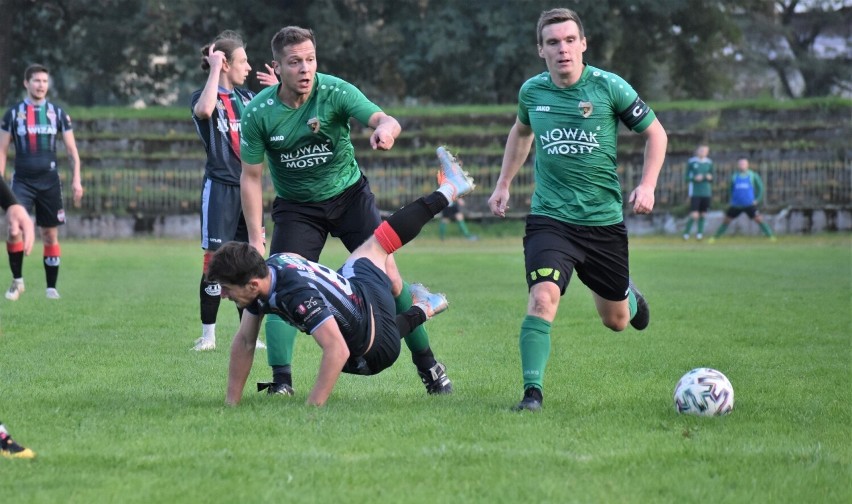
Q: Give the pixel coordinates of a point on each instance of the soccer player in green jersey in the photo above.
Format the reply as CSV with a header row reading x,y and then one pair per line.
x,y
699,175
571,112
302,127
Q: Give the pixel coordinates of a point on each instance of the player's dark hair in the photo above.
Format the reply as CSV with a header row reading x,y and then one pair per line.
x,y
290,35
34,69
555,16
228,41
236,263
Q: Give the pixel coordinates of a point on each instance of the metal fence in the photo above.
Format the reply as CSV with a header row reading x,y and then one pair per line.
x,y
803,184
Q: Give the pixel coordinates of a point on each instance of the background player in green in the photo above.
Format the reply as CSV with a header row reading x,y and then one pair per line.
x,y
34,124
746,193
302,126
454,213
216,111
699,176
571,112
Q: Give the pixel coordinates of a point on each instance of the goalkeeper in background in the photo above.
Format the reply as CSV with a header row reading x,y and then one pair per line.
x,y
746,193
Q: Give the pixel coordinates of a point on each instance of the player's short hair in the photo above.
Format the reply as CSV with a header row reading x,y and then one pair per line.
x,y
236,263
228,41
34,69
290,35
555,16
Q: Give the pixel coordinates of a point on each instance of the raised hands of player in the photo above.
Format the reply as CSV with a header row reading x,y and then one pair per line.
x,y
642,199
215,58
21,224
267,78
499,202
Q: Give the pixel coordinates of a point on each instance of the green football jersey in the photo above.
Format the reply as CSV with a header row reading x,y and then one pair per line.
x,y
308,149
697,166
576,130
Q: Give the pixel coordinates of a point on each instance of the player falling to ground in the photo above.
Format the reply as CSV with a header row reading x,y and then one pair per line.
x,y
216,112
302,128
746,193
350,313
571,112
34,125
699,176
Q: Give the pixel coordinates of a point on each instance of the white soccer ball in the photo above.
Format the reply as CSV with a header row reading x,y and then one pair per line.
x,y
704,392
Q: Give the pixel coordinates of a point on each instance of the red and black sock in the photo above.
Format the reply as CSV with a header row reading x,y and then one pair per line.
x,y
51,264
406,223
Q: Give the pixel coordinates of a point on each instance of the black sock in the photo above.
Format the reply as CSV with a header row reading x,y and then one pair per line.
x,y
409,320
424,359
410,219
16,264
282,374
210,300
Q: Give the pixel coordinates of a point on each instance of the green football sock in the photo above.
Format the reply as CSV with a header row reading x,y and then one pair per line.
x,y
766,229
688,226
535,350
631,302
280,340
721,230
701,225
418,339
464,229
442,229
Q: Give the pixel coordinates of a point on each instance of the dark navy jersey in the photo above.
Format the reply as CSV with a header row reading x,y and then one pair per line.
x,y
221,134
306,294
34,129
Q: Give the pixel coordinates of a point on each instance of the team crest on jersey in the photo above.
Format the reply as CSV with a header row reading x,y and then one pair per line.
x,y
51,115
314,124
586,108
220,105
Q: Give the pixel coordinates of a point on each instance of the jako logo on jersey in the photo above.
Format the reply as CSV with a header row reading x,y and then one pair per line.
x,y
569,141
586,108
276,138
542,108
310,155
214,290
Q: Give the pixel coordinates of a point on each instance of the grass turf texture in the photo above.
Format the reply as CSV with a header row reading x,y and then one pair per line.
x,y
102,385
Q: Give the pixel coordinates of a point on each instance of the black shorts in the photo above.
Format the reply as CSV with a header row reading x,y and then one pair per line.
x,y
375,288
553,250
699,204
303,228
221,215
734,212
43,193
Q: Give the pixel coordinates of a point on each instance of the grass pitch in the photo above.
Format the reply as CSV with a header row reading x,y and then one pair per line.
x,y
103,386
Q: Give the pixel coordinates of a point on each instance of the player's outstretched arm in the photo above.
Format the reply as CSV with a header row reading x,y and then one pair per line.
x,y
335,353
386,129
242,356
